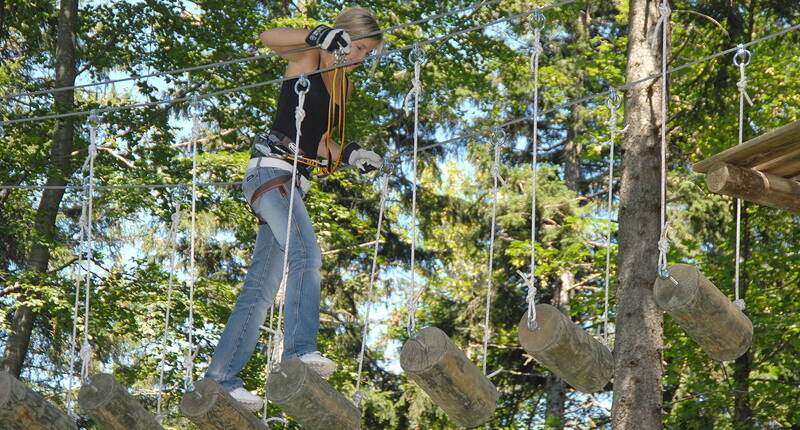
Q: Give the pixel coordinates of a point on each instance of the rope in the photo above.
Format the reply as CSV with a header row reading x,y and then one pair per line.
x,y
384,193
171,239
86,224
538,22
192,350
498,137
234,61
279,80
613,103
301,88
740,59
417,56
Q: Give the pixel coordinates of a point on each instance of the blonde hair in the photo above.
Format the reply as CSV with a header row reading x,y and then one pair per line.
x,y
360,22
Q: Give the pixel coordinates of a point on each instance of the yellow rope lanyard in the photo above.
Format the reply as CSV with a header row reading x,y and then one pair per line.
x,y
324,169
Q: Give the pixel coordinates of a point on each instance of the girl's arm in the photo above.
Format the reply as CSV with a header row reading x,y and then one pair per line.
x,y
286,39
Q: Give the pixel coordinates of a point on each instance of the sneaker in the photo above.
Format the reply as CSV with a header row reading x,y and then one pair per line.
x,y
323,366
250,401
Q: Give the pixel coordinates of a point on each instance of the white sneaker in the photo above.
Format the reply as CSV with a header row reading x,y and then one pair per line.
x,y
250,401
323,366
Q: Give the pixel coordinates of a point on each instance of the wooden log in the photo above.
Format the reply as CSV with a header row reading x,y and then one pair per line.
x,y
112,407
451,380
567,350
758,150
755,186
23,409
722,330
310,400
210,407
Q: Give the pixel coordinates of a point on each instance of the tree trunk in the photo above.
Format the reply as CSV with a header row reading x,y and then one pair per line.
x,y
742,411
638,350
58,172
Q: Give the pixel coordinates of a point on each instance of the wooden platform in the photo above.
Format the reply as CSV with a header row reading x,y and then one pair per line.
x,y
764,170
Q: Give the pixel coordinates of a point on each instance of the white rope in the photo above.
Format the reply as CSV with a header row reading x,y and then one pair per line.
x,y
538,22
498,138
191,352
417,56
86,352
301,88
384,193
740,59
171,240
613,103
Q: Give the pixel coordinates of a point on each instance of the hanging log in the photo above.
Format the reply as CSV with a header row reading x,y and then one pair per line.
x,y
451,380
567,350
310,400
722,330
210,407
753,185
110,404
23,409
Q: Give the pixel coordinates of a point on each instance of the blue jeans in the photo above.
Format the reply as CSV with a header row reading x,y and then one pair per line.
x,y
301,309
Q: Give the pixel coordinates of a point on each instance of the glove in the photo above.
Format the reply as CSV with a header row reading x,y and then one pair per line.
x,y
329,39
364,159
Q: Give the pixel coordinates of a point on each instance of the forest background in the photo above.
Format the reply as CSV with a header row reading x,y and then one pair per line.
x,y
470,82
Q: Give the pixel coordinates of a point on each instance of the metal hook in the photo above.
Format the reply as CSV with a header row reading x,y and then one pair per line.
x,y
302,85
417,54
742,56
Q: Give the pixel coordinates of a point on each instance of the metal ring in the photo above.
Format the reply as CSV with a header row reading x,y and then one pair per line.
x,y
417,54
537,20
498,134
302,85
742,56
614,100
93,117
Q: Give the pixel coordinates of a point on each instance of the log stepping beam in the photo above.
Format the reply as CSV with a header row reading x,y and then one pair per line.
x,y
24,409
210,407
708,317
310,400
764,170
112,407
567,350
451,380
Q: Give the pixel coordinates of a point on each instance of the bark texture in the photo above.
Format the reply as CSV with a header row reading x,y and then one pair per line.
x,y
638,366
59,170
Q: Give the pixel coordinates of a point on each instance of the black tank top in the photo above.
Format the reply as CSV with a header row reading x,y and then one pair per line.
x,y
316,120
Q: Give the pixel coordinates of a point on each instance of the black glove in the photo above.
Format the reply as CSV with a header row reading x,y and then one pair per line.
x,y
364,159
329,39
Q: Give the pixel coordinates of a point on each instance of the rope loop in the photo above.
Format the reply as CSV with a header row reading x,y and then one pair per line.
x,y
302,85
663,250
661,25
739,304
530,299
614,101
85,355
537,20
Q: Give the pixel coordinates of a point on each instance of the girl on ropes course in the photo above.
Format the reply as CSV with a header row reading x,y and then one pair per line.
x,y
267,187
